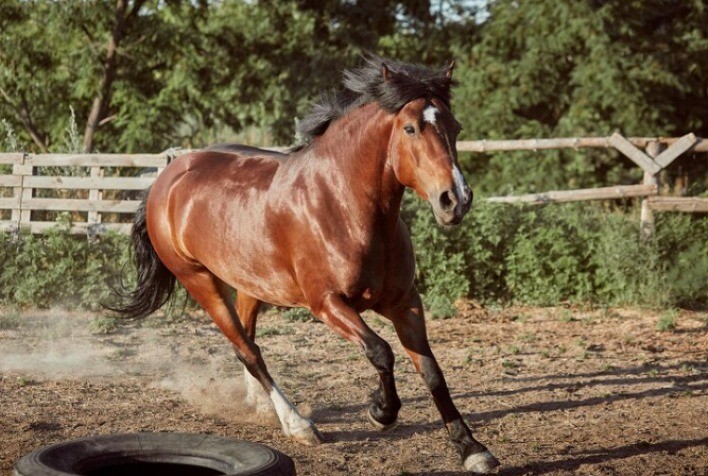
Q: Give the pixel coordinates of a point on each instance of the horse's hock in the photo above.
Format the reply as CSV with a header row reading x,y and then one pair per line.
x,y
155,454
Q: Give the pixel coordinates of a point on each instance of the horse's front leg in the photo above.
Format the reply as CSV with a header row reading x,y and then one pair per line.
x,y
409,322
344,320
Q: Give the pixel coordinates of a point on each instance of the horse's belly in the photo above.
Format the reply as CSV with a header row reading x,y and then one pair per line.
x,y
272,286
256,269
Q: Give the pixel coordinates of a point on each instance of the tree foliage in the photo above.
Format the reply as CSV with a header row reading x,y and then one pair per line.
x,y
184,72
584,68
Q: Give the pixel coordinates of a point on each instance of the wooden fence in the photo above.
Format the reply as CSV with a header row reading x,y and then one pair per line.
x,y
100,197
658,154
35,176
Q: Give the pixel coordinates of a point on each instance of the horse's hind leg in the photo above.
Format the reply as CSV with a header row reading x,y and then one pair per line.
x,y
410,327
213,295
247,308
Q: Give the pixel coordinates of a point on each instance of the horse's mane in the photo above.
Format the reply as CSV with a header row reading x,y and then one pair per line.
x,y
366,84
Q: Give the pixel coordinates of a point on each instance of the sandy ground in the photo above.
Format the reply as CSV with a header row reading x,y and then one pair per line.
x,y
554,391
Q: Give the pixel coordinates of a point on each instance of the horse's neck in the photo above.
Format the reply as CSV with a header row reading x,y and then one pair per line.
x,y
357,147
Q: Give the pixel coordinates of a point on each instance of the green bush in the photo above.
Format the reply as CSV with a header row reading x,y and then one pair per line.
x,y
548,260
60,269
441,264
543,255
682,254
500,254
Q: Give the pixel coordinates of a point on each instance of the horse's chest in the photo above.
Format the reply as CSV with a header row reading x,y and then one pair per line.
x,y
363,282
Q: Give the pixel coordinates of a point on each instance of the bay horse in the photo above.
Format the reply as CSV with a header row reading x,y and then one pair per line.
x,y
318,228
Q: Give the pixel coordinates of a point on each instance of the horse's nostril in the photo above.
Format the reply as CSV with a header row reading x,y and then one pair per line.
x,y
447,200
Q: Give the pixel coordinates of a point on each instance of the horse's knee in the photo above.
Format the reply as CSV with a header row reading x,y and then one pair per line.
x,y
379,353
252,360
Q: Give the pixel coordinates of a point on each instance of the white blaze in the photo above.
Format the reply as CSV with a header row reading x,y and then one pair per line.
x,y
459,181
429,114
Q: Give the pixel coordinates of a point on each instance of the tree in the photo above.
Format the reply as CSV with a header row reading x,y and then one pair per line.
x,y
124,14
96,57
549,69
149,74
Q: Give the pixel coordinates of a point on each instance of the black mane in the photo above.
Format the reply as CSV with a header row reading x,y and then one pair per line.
x,y
366,84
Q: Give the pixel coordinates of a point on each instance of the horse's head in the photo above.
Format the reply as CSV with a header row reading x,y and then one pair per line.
x,y
424,157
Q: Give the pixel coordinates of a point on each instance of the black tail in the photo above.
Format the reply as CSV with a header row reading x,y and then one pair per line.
x,y
155,284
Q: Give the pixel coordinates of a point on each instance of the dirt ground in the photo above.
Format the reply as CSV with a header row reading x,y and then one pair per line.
x,y
553,391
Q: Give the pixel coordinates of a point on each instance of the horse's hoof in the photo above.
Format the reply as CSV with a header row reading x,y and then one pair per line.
x,y
377,424
481,463
309,435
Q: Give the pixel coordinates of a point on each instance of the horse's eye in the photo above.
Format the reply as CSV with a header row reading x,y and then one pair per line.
x,y
408,129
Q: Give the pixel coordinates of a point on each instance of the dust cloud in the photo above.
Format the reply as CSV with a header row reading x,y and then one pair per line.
x,y
51,347
57,345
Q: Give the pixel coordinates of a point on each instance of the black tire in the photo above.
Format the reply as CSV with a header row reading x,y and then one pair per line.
x,y
155,454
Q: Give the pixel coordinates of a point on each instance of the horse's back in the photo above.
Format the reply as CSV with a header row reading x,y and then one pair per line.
x,y
238,168
246,150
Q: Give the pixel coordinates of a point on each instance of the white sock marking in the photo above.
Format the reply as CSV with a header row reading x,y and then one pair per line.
x,y
291,421
255,395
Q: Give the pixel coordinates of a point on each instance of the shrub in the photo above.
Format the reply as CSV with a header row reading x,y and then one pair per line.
x,y
59,268
561,252
499,254
441,264
548,261
667,321
682,254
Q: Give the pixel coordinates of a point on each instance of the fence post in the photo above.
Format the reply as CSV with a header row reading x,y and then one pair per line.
x,y
653,149
19,215
94,217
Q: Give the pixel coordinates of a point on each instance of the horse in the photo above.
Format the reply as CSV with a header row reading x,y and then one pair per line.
x,y
317,227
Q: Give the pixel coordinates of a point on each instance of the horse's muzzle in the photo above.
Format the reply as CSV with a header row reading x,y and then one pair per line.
x,y
451,206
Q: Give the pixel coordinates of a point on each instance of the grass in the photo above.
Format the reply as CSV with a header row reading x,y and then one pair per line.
x,y
24,382
274,331
513,350
527,337
509,364
667,321
104,325
10,321
566,315
120,354
297,314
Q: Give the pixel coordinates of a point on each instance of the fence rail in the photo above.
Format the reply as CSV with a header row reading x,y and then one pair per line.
x,y
103,189
83,195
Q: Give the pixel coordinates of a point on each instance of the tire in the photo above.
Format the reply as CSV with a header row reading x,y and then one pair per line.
x,y
155,454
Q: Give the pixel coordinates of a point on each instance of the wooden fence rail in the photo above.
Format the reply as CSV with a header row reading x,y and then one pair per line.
x,y
658,154
92,185
77,184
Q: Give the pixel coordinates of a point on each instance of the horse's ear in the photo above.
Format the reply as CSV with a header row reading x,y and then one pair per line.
x,y
449,68
385,72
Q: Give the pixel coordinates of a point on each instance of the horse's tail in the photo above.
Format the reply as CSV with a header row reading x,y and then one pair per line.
x,y
155,283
